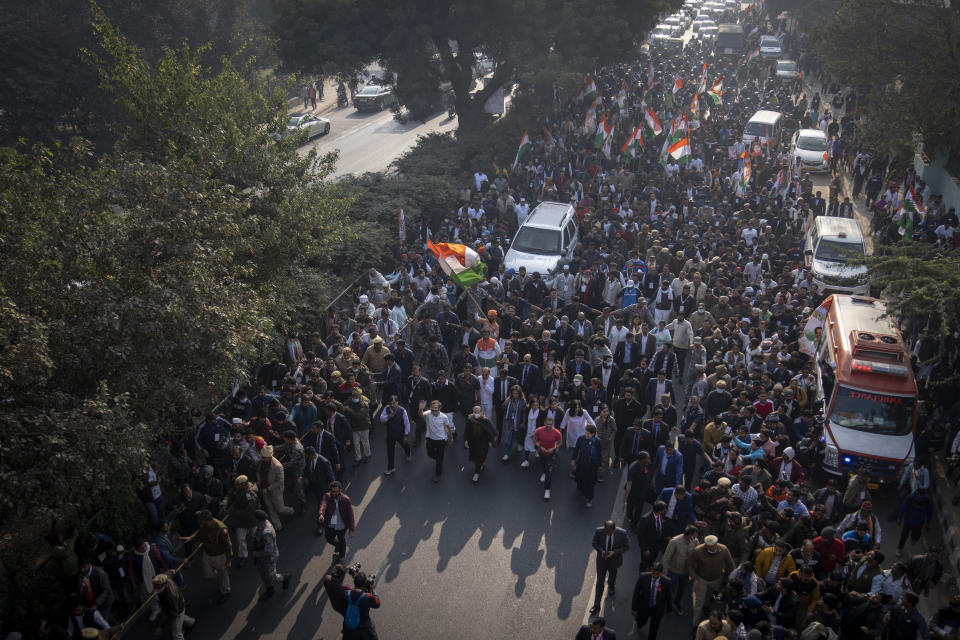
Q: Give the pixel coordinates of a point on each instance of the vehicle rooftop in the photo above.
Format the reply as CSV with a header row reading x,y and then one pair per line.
x,y
548,215
832,226
766,117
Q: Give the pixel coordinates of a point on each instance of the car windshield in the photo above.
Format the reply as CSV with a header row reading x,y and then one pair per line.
x,y
769,42
874,412
787,66
833,251
755,129
295,121
811,143
662,30
536,240
369,91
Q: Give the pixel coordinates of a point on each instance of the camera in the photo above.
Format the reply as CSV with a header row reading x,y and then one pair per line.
x,y
365,582
353,569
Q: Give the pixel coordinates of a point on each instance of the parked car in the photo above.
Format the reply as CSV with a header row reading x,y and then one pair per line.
x,y
313,125
374,97
770,47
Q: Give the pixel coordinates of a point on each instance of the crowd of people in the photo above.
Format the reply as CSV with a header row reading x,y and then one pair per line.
x,y
668,347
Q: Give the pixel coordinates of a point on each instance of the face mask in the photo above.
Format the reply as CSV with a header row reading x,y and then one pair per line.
x,y
576,383
476,414
355,400
607,365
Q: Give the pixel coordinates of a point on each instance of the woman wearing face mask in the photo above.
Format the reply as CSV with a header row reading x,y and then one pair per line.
x,y
585,461
577,391
533,419
556,383
515,410
479,436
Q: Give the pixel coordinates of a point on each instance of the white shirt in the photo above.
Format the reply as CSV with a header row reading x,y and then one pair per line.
x,y
436,425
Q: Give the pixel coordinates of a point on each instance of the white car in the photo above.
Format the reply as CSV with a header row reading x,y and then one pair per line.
x,y
809,149
787,69
313,125
770,47
709,32
701,21
544,241
661,32
675,25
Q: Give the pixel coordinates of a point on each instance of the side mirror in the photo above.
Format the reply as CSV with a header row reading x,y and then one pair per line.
x,y
808,258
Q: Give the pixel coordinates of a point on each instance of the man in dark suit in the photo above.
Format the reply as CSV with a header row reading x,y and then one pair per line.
x,y
528,375
646,342
653,534
610,542
636,440
656,387
501,391
780,602
317,472
679,508
651,599
579,365
597,630
659,431
628,353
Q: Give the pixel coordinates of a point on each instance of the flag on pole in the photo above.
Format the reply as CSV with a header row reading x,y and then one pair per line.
x,y
703,79
402,222
589,89
650,75
751,55
677,83
910,209
745,172
604,130
522,149
590,123
548,137
608,140
680,150
629,148
716,91
652,120
458,261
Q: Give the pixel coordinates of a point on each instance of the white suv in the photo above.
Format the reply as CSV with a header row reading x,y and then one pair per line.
x,y
544,241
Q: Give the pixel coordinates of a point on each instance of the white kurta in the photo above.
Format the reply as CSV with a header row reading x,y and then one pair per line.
x,y
486,397
576,426
528,444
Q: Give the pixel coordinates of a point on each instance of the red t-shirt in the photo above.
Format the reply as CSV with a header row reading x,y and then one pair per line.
x,y
547,438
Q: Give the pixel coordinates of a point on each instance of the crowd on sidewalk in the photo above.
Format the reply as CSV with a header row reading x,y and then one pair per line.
x,y
668,346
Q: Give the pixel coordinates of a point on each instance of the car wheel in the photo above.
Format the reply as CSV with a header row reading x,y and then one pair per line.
x,y
326,129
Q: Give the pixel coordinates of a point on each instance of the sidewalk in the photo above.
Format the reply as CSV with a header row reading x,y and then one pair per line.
x,y
327,103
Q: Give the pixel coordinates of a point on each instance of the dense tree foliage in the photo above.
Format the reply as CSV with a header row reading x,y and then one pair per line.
x,y
135,280
46,90
905,58
430,42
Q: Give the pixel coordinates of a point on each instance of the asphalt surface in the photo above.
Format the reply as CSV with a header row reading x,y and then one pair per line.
x,y
453,559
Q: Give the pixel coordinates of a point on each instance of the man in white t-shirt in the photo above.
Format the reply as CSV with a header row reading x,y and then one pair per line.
x,y
439,433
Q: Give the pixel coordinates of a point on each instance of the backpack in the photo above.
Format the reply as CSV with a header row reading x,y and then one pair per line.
x,y
351,617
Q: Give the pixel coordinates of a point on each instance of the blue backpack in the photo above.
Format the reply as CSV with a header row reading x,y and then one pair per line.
x,y
351,617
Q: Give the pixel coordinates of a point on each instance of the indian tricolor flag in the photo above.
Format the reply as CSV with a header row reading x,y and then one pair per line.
x,y
716,91
652,120
608,140
524,147
910,209
604,130
589,89
703,79
458,261
680,150
650,75
548,137
752,54
677,83
629,148
402,225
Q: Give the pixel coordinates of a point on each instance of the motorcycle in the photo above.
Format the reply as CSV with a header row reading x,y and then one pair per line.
x,y
341,96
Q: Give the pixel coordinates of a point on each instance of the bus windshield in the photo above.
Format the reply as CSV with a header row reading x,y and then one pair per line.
x,y
880,413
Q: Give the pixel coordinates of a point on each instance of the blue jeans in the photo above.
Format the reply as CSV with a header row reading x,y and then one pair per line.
x,y
508,440
547,462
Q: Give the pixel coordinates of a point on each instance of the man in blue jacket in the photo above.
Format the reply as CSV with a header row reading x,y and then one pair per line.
x,y
679,511
916,511
667,467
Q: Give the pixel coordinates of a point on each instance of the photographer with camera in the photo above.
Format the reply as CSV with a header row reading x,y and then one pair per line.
x,y
353,604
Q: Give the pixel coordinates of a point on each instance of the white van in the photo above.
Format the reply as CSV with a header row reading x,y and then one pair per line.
x,y
830,243
765,127
545,240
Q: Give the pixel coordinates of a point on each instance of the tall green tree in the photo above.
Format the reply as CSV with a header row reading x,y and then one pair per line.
x,y
905,60
427,43
133,281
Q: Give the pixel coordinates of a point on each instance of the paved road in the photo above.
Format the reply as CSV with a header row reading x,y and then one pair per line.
x,y
370,141
452,559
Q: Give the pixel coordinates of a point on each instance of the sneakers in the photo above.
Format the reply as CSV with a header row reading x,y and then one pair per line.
x,y
476,478
600,478
336,557
589,504
573,475
525,464
899,552
286,581
505,457
436,478
266,595
389,471
543,478
546,494
408,458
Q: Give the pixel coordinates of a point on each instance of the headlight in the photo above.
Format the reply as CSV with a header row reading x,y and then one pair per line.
x,y
831,456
